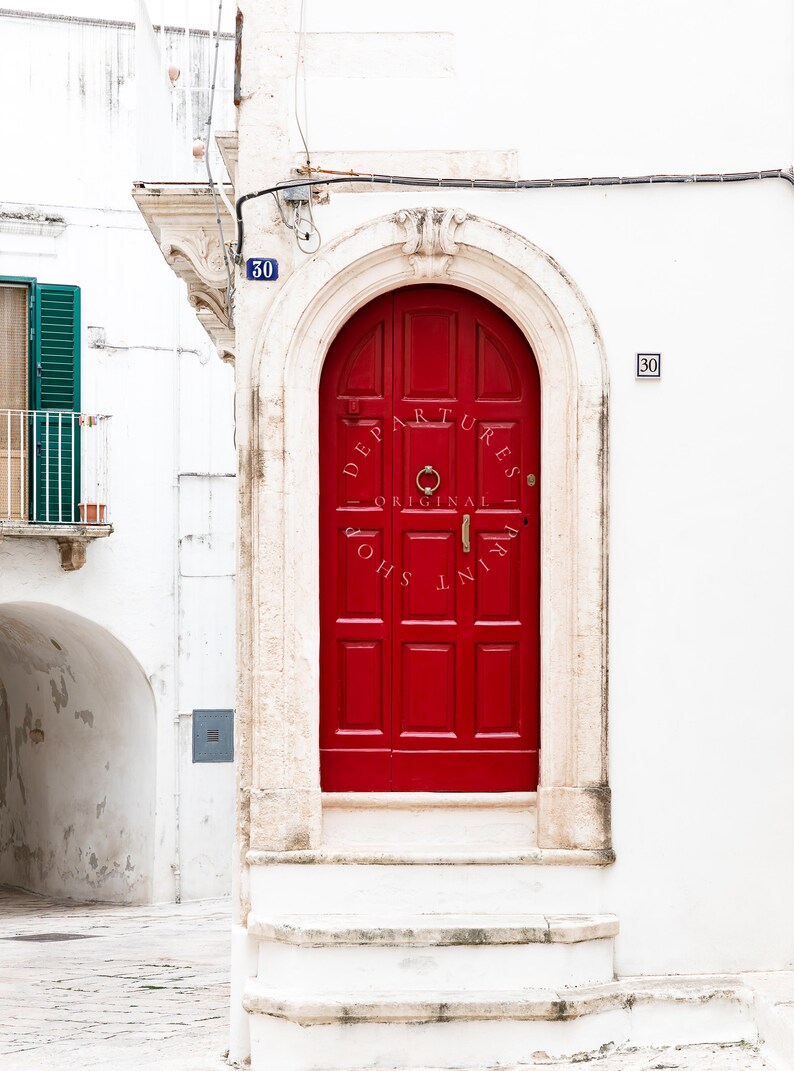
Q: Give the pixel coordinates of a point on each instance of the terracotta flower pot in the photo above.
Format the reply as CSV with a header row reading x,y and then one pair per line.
x,y
93,513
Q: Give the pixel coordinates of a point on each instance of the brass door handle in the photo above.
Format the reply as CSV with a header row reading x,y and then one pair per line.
x,y
464,533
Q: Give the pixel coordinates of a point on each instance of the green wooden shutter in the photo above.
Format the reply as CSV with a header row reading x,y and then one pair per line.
x,y
56,395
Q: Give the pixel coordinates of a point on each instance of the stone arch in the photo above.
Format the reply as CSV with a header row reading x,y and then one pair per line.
x,y
77,758
450,246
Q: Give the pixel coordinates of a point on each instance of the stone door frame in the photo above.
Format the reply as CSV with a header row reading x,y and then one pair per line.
x,y
444,245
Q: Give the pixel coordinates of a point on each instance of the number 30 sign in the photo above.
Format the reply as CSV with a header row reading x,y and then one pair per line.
x,y
264,269
649,366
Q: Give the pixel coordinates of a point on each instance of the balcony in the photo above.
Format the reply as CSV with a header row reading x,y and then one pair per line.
x,y
54,479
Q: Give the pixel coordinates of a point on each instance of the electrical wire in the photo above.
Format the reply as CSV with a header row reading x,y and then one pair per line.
x,y
210,179
304,228
299,62
335,177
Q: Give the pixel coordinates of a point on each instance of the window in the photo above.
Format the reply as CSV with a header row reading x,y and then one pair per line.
x,y
39,401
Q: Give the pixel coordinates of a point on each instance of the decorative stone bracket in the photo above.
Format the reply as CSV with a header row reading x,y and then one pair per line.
x,y
72,554
430,239
182,219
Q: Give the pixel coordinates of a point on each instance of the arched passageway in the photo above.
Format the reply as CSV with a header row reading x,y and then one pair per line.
x,y
77,758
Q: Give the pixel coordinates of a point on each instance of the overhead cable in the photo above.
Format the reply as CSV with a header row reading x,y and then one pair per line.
x,y
335,178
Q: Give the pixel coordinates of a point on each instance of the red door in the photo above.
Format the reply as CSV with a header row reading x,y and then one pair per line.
x,y
429,552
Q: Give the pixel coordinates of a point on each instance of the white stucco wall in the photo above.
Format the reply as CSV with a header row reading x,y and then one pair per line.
x,y
700,527
170,397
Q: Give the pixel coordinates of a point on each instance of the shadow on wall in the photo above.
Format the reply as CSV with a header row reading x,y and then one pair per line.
x,y
77,759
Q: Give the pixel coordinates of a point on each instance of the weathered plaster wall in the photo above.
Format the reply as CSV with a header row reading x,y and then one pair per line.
x,y
150,365
77,778
79,130
701,575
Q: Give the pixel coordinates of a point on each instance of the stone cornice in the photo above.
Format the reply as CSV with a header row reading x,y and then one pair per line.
x,y
181,217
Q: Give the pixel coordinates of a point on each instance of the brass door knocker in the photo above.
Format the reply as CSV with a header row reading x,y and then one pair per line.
x,y
426,471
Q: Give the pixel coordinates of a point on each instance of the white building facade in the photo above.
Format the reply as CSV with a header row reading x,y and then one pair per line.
x,y
477,822
118,473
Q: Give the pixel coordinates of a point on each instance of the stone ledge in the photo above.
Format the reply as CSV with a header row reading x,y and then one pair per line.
x,y
527,1004
432,930
535,856
34,530
72,539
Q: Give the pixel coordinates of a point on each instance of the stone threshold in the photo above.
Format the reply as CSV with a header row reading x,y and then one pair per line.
x,y
526,1004
374,857
424,800
431,930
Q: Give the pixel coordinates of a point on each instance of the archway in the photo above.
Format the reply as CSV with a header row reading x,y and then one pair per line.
x,y
446,245
77,759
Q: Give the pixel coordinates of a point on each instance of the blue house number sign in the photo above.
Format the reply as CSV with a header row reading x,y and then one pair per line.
x,y
261,268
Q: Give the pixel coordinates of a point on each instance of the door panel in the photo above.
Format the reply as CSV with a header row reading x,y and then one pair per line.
x,y
361,686
360,592
361,480
428,348
432,444
498,478
429,428
498,706
498,579
428,556
428,689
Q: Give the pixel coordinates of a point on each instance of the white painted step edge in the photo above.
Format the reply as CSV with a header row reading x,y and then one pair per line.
x,y
537,1005
431,930
376,857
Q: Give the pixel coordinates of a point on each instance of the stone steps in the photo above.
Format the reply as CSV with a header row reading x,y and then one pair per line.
x,y
386,883
331,1029
432,929
430,821
414,953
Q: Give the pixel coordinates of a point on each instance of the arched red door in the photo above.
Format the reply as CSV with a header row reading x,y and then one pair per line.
x,y
429,548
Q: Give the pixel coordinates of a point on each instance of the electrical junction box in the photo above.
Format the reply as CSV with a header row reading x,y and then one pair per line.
x,y
213,735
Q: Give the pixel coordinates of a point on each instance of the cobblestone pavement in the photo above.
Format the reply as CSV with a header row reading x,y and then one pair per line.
x,y
148,987
143,987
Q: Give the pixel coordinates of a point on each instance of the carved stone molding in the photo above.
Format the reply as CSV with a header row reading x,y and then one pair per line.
x,y
182,219
202,252
225,343
430,239
279,715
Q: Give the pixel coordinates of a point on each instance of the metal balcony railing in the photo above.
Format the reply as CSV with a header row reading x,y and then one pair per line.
x,y
53,467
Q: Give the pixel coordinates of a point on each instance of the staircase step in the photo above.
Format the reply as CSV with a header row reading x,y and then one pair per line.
x,y
419,952
432,929
525,1004
430,822
380,884
334,1029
